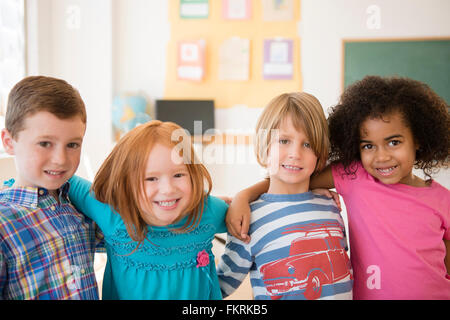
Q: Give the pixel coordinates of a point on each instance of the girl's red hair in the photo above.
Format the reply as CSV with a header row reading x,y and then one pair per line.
x,y
120,180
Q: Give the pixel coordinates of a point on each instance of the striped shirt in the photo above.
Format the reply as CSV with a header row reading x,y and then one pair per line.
x,y
298,250
47,247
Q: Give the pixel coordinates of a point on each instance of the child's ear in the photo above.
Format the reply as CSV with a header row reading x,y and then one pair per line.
x,y
7,140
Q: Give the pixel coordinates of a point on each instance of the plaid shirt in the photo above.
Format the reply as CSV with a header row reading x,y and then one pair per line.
x,y
46,247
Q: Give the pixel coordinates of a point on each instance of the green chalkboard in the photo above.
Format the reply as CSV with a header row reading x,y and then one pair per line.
x,y
424,60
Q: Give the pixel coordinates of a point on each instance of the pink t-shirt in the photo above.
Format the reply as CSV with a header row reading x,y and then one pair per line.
x,y
396,237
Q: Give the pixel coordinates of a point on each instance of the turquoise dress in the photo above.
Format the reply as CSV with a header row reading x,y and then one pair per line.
x,y
167,265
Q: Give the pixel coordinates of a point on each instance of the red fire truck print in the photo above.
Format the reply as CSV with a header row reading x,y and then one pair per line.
x,y
316,258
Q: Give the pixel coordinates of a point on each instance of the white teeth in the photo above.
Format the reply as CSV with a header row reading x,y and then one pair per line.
x,y
386,170
291,168
167,203
54,173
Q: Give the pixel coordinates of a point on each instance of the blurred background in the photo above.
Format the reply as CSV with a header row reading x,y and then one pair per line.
x,y
125,55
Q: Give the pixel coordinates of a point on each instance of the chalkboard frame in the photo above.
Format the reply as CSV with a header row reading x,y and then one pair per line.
x,y
371,41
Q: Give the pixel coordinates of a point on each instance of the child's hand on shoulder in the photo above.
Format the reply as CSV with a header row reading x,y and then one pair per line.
x,y
238,219
228,200
330,194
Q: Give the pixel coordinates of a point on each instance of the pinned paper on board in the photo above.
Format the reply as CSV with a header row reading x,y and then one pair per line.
x,y
234,59
278,10
194,9
236,9
191,60
278,59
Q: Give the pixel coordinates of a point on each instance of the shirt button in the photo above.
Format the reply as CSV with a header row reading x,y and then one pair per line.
x,y
82,271
53,208
73,237
41,192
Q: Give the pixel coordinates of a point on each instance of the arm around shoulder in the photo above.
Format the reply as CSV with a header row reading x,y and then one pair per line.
x,y
323,179
218,209
79,191
238,215
84,200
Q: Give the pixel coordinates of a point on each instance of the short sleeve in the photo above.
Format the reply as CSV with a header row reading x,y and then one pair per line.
x,y
218,210
338,178
343,181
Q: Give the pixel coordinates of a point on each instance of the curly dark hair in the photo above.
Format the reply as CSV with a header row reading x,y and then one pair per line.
x,y
424,112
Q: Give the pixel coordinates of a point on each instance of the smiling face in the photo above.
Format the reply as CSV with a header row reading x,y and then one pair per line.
x,y
47,151
388,150
291,160
167,187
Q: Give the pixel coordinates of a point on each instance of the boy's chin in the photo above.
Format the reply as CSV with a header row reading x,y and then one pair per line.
x,y
53,185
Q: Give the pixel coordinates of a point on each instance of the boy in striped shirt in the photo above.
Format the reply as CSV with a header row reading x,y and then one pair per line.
x,y
298,248
46,247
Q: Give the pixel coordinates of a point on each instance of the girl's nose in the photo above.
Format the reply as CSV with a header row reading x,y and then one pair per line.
x,y
166,186
382,155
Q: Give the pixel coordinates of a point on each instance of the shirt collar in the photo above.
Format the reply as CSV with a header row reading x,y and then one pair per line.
x,y
29,196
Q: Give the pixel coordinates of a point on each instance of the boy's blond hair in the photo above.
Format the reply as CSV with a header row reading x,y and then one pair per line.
x,y
120,180
306,113
39,93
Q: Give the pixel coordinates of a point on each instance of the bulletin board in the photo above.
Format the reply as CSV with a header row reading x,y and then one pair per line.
x,y
426,60
256,91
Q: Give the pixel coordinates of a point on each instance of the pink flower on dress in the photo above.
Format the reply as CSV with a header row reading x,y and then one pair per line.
x,y
202,258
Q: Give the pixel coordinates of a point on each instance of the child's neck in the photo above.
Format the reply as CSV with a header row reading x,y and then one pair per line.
x,y
415,181
279,187
19,184
54,194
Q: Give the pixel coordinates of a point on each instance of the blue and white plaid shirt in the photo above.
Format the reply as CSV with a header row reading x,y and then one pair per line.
x,y
46,247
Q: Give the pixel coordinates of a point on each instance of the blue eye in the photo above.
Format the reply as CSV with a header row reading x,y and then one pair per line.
x,y
307,145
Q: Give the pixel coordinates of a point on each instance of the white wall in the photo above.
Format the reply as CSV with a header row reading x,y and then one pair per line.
x,y
141,33
73,41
